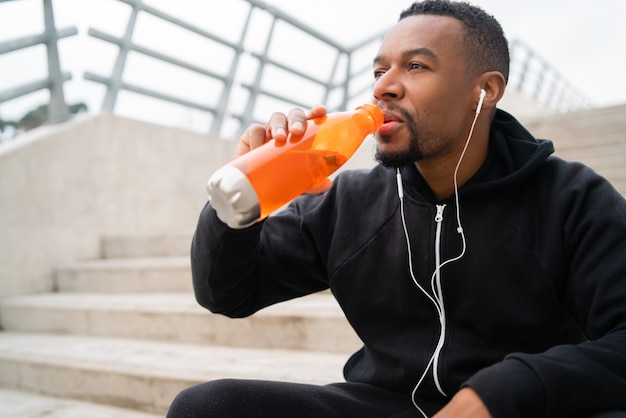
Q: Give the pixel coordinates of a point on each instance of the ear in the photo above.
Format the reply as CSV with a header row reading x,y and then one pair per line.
x,y
493,83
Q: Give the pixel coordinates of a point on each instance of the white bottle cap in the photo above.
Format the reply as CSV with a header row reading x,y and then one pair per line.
x,y
233,198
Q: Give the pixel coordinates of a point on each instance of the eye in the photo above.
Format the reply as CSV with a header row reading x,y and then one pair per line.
x,y
416,66
378,74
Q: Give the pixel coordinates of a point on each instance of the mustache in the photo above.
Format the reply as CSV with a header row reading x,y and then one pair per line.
x,y
392,107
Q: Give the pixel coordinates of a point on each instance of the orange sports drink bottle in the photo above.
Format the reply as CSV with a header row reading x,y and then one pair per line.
x,y
254,185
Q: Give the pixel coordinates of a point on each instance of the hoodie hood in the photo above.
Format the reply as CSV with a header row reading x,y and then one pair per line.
x,y
514,154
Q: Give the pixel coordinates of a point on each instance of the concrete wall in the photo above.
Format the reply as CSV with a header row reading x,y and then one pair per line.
x,y
64,187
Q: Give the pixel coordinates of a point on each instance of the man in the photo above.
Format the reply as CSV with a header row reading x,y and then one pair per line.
x,y
484,276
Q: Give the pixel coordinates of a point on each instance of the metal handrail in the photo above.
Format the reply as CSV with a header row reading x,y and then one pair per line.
x,y
126,45
530,74
533,76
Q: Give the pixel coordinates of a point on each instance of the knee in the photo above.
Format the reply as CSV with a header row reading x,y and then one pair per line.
x,y
183,405
203,400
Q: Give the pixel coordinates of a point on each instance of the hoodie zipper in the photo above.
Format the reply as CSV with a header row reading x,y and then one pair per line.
x,y
438,293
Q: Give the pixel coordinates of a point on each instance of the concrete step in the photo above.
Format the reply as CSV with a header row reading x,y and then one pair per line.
x,y
581,144
21,404
585,123
175,244
154,274
314,322
144,375
575,132
594,137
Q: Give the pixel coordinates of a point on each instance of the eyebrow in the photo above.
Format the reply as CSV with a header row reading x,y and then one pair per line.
x,y
411,53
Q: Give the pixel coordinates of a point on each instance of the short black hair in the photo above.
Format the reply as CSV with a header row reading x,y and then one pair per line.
x,y
486,46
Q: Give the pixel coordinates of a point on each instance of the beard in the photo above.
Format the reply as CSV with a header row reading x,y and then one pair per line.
x,y
413,151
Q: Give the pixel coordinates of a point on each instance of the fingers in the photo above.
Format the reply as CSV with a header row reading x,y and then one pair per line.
x,y
317,112
278,127
253,137
281,125
296,121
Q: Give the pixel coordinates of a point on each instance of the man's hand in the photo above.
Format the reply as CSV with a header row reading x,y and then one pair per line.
x,y
278,128
465,404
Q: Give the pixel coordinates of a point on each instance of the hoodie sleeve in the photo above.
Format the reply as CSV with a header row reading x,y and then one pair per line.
x,y
586,378
236,272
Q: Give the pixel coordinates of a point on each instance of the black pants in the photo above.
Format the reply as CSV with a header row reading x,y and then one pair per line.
x,y
231,398
256,399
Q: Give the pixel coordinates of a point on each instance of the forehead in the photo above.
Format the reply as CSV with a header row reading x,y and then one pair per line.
x,y
442,35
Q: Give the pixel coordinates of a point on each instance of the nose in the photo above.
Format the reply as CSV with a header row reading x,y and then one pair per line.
x,y
388,86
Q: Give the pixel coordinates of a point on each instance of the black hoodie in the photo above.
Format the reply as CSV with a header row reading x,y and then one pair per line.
x,y
534,311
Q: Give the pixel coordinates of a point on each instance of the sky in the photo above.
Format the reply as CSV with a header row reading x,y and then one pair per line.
x,y
583,39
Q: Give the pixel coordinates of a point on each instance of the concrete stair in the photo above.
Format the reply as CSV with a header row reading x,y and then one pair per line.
x,y
125,332
20,404
596,137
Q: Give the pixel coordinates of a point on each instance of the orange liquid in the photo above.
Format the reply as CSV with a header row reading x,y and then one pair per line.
x,y
279,172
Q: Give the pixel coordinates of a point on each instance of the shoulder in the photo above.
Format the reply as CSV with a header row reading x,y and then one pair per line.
x,y
351,193
572,176
578,189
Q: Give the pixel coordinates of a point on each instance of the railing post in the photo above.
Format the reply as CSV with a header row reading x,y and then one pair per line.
x,y
256,87
540,81
57,109
346,86
331,79
118,70
220,113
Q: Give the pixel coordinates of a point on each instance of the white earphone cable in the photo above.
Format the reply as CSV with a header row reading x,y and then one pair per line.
x,y
437,297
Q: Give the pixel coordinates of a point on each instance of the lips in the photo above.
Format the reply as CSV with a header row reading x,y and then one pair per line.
x,y
391,121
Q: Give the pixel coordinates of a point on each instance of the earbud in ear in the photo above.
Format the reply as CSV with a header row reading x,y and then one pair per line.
x,y
481,97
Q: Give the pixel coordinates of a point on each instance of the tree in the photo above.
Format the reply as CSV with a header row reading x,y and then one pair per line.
x,y
37,117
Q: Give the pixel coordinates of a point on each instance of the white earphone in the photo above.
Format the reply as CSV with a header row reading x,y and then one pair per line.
x,y
481,98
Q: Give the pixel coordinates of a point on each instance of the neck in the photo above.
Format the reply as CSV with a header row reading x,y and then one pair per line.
x,y
439,172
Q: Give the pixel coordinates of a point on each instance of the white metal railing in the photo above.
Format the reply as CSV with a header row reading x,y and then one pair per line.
x,y
346,78
534,77
256,89
57,109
